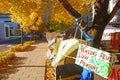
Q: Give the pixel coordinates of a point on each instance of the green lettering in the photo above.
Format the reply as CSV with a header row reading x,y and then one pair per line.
x,y
109,70
106,70
103,71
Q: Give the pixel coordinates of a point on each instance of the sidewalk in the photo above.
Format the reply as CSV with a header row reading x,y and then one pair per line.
x,y
30,66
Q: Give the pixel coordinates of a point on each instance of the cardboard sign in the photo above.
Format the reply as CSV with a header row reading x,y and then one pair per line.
x,y
98,61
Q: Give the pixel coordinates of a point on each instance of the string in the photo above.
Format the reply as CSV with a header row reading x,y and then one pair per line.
x,y
81,30
69,56
78,22
75,32
81,34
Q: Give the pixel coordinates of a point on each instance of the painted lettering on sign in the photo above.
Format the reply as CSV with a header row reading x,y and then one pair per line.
x,y
90,52
98,61
104,67
105,57
89,65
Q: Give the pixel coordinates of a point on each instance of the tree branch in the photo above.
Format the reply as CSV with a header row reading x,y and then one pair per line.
x,y
69,8
115,9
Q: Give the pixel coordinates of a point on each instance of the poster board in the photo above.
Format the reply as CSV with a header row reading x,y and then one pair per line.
x,y
98,61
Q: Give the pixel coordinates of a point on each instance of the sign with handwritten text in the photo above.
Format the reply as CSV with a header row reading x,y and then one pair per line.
x,y
100,62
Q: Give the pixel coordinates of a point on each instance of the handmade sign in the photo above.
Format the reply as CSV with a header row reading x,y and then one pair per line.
x,y
96,60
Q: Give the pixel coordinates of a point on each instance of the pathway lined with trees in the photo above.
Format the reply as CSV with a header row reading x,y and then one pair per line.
x,y
29,65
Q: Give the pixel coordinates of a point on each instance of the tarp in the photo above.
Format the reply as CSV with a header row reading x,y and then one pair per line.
x,y
63,49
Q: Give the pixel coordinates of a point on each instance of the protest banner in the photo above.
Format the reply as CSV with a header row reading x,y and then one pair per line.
x,y
98,61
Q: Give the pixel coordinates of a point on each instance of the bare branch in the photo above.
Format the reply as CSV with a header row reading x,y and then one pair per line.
x,y
69,8
115,9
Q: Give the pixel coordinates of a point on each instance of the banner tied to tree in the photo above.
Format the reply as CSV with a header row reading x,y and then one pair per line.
x,y
96,60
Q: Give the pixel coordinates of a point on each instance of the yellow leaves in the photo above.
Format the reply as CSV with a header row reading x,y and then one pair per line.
x,y
33,15
85,11
13,18
91,2
26,29
4,6
24,12
63,17
34,28
60,14
42,28
82,6
28,20
38,1
39,21
23,19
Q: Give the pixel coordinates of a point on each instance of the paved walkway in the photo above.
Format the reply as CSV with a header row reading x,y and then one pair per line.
x,y
30,66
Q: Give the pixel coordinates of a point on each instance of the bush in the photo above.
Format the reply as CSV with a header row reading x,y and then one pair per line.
x,y
20,47
5,56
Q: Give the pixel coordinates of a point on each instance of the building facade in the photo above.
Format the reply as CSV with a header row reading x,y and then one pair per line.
x,y
115,22
6,26
4,31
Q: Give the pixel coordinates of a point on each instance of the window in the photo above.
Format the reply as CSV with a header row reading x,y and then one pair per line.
x,y
6,32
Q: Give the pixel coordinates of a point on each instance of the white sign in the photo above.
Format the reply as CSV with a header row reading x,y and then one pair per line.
x,y
98,61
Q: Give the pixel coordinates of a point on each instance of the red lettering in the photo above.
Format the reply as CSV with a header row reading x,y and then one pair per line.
x,y
90,66
90,52
86,51
95,53
108,58
96,68
84,56
82,62
102,56
105,57
82,49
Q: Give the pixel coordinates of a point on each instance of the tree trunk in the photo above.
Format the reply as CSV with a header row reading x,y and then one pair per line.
x,y
22,36
101,19
31,35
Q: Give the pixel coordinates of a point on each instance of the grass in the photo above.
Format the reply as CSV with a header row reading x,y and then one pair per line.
x,y
12,37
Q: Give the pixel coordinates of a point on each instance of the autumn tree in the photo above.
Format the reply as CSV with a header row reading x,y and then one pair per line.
x,y
29,14
69,10
101,16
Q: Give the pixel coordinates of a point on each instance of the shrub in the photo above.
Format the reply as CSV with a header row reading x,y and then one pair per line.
x,y
5,56
23,47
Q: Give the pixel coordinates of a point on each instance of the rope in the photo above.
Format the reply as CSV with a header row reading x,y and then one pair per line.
x,y
81,30
79,20
75,32
69,56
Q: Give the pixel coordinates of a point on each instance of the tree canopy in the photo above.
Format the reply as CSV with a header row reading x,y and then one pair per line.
x,y
27,13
